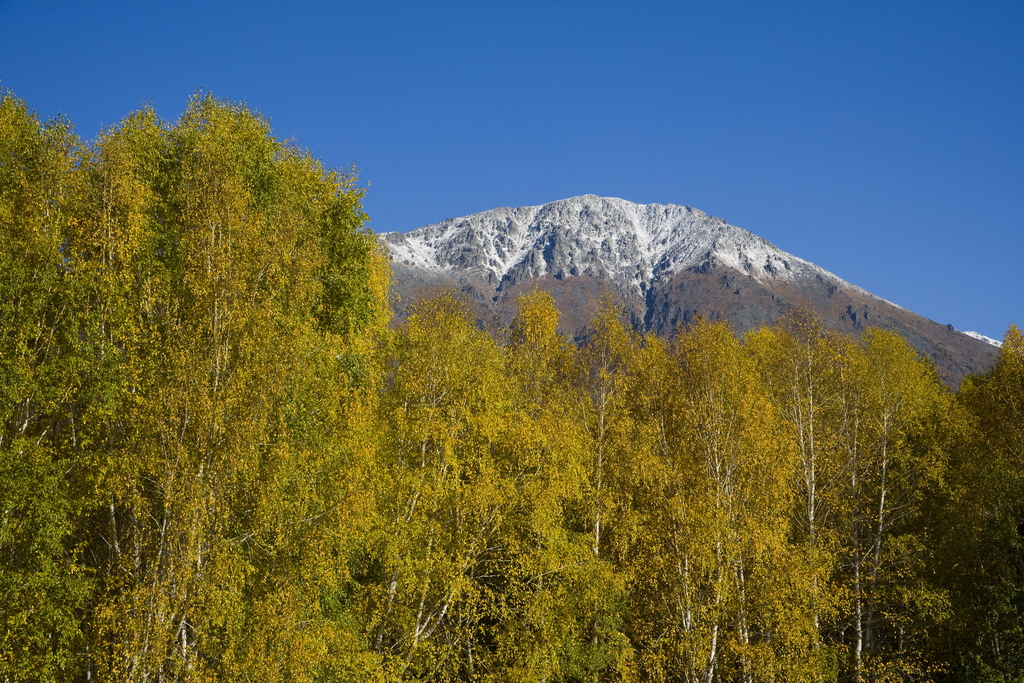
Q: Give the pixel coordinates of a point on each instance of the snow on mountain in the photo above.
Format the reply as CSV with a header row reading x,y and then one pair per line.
x,y
988,340
632,244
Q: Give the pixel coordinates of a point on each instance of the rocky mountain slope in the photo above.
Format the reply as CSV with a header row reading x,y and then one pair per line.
x,y
669,264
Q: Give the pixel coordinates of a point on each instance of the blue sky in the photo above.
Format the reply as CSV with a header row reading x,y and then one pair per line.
x,y
882,141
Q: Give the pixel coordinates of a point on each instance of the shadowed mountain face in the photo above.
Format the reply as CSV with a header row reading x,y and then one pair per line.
x,y
669,265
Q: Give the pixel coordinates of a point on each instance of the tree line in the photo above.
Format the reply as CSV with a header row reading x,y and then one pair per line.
x,y
219,462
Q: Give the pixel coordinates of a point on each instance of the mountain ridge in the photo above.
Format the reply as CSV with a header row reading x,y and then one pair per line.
x,y
668,263
703,234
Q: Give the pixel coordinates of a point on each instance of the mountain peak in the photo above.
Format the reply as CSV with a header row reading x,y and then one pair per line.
x,y
631,243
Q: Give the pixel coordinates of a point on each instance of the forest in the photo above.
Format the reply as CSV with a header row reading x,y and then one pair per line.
x,y
221,461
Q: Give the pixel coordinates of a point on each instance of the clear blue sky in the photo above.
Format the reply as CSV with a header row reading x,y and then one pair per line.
x,y
883,141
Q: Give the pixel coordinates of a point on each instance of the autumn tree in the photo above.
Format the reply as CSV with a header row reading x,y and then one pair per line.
x,y
801,364
542,628
600,513
247,287
188,309
51,396
445,488
890,407
981,551
713,505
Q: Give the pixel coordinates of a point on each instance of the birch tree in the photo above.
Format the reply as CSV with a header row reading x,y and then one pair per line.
x,y
801,364
981,556
890,402
445,492
46,393
717,513
210,240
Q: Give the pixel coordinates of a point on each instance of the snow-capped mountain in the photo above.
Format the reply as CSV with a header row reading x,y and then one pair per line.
x,y
633,244
981,337
668,264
